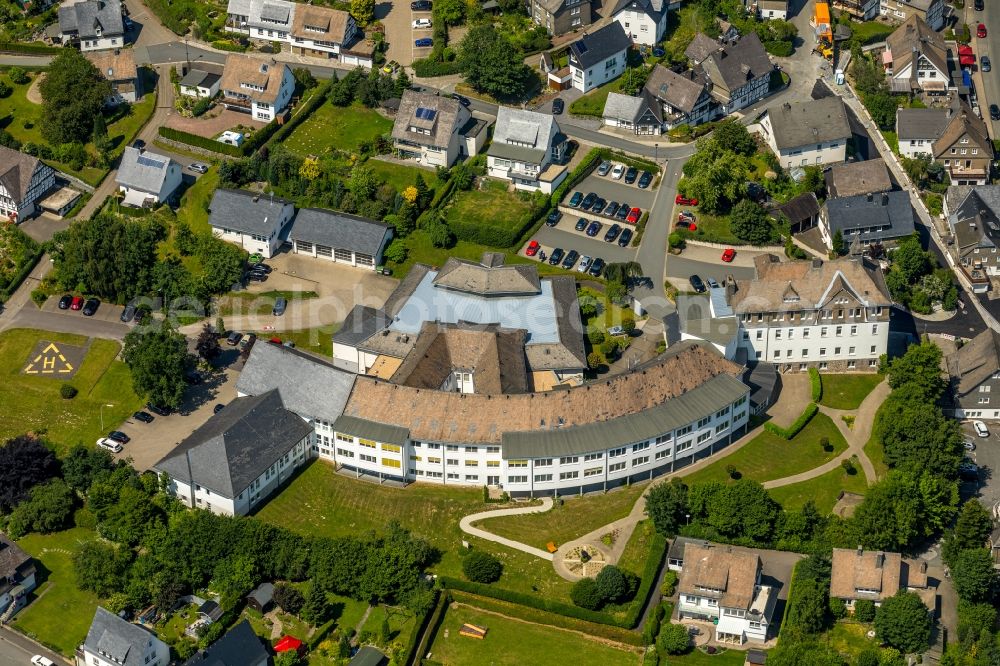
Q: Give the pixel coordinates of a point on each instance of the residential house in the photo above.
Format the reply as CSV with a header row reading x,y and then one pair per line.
x,y
801,212
918,129
723,585
773,9
239,646
739,73
118,67
806,133
867,219
700,48
562,16
675,554
599,57
322,31
262,89
643,113
261,19
368,656
916,58
113,641
854,178
965,148
232,463
24,182
875,576
199,83
428,128
683,96
644,21
860,10
831,315
973,214
339,237
974,370
527,149
932,12
95,25
262,598
147,179
17,578
256,222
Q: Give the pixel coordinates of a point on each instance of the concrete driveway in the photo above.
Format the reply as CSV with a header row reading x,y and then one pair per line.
x,y
397,17
43,227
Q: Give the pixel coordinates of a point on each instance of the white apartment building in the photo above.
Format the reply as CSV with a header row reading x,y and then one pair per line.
x,y
257,223
599,57
527,148
644,21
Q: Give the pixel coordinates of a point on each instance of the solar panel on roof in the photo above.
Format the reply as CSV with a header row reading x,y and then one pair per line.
x,y
424,113
149,162
581,46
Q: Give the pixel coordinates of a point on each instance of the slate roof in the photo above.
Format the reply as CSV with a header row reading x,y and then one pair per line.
x,y
531,135
964,122
890,209
143,170
263,594
122,641
867,570
488,280
912,39
853,178
16,170
812,122
803,207
309,386
240,69
114,65
735,65
975,362
446,112
12,559
85,17
680,91
733,574
341,230
246,212
237,445
368,656
921,123
197,78
361,323
700,48
652,8
596,47
333,24
238,647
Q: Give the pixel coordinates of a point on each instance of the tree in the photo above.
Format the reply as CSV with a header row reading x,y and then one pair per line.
x,y
971,530
439,233
451,12
481,567
492,64
749,222
222,263
158,360
666,505
18,76
743,510
889,516
101,567
974,618
595,360
918,370
304,78
673,639
288,598
73,93
25,462
803,653
424,193
84,464
903,622
363,11
882,105
613,584
732,135
918,436
208,343
310,168
47,510
837,244
974,576
585,594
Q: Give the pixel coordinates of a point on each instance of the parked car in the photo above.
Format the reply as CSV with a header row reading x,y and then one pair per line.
x,y
556,256
618,171
257,276
594,228
248,341
630,175
599,206
588,201
968,444
280,303
198,167
552,219
981,428
994,112
604,168
584,264
65,301
684,223
119,436
645,178
532,249
128,314
156,409
728,254
984,63
633,216
712,284
110,445
597,267
581,224
461,99
968,471
76,303
218,408
623,209
90,307
233,338
558,106
612,209
625,238
685,201
421,5
423,42
570,259
138,144
145,417
697,284
612,233
686,214
39,660
980,5
422,24
575,200
261,267
981,31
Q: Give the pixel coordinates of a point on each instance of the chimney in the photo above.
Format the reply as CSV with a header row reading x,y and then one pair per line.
x,y
885,198
869,197
818,263
879,560
861,549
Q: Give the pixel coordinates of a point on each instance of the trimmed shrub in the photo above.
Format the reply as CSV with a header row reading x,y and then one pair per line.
x,y
652,628
669,584
67,391
816,384
795,428
429,67
586,594
16,47
615,585
864,610
200,142
481,567
837,608
673,639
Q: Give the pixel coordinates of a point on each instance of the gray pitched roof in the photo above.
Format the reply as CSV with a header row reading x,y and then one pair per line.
x,y
803,207
263,594
414,109
237,445
84,18
238,647
632,108
197,78
340,230
488,280
805,123
701,47
680,91
652,8
598,46
246,212
735,65
143,170
12,558
380,432
888,209
921,123
361,323
524,135
309,386
16,170
114,637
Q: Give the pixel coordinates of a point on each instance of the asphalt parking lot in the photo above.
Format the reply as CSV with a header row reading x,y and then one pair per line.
x,y
105,312
613,190
987,456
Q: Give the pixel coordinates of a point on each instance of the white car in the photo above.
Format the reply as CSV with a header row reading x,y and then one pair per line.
x,y
618,171
422,23
39,660
109,444
584,264
981,428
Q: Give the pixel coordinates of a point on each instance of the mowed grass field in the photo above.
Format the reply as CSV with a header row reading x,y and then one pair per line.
x,y
822,491
343,128
848,391
491,205
31,403
510,642
59,615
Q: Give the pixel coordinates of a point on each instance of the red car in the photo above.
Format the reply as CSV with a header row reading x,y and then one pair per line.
x,y
981,31
532,249
77,303
686,224
684,201
728,254
633,216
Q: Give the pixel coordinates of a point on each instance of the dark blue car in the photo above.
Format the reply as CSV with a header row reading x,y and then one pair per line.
x,y
424,41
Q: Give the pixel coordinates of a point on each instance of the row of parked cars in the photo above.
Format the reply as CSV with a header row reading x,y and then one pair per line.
x,y
630,174
592,203
88,306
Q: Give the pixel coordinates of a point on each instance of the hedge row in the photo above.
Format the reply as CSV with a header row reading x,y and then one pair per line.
x,y
816,384
425,629
654,562
200,142
226,45
427,67
628,160
320,634
21,275
37,49
281,132
800,423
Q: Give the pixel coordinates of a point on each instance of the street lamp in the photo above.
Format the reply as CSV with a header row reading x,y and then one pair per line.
x,y
102,415
656,151
688,516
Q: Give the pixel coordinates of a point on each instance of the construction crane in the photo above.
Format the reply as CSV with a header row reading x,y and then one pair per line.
x,y
823,29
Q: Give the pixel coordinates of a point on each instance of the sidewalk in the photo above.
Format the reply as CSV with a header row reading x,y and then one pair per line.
x,y
466,526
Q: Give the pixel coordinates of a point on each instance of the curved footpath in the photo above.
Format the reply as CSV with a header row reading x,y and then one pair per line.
x,y
466,525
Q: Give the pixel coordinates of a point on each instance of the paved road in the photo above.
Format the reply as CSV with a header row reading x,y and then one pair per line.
x,y
987,84
16,649
28,316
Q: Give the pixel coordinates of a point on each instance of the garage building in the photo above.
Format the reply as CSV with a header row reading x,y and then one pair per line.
x,y
339,237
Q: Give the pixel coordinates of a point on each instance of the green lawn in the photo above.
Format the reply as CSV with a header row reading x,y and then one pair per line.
x,y
592,104
848,391
400,619
258,303
125,128
317,340
577,516
822,490
509,641
334,127
60,614
491,205
699,658
637,549
32,403
608,313
849,638
713,228
195,201
768,456
875,453
400,176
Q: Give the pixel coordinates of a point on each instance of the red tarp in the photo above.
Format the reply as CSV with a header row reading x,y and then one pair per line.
x,y
964,49
288,643
967,60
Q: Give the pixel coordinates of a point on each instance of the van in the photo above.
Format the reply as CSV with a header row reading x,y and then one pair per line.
x,y
109,444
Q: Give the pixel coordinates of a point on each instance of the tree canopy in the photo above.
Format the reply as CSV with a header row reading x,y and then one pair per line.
x,y
903,621
158,359
25,462
666,505
73,94
492,64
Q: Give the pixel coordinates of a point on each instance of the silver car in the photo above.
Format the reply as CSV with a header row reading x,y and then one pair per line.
x,y
198,167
